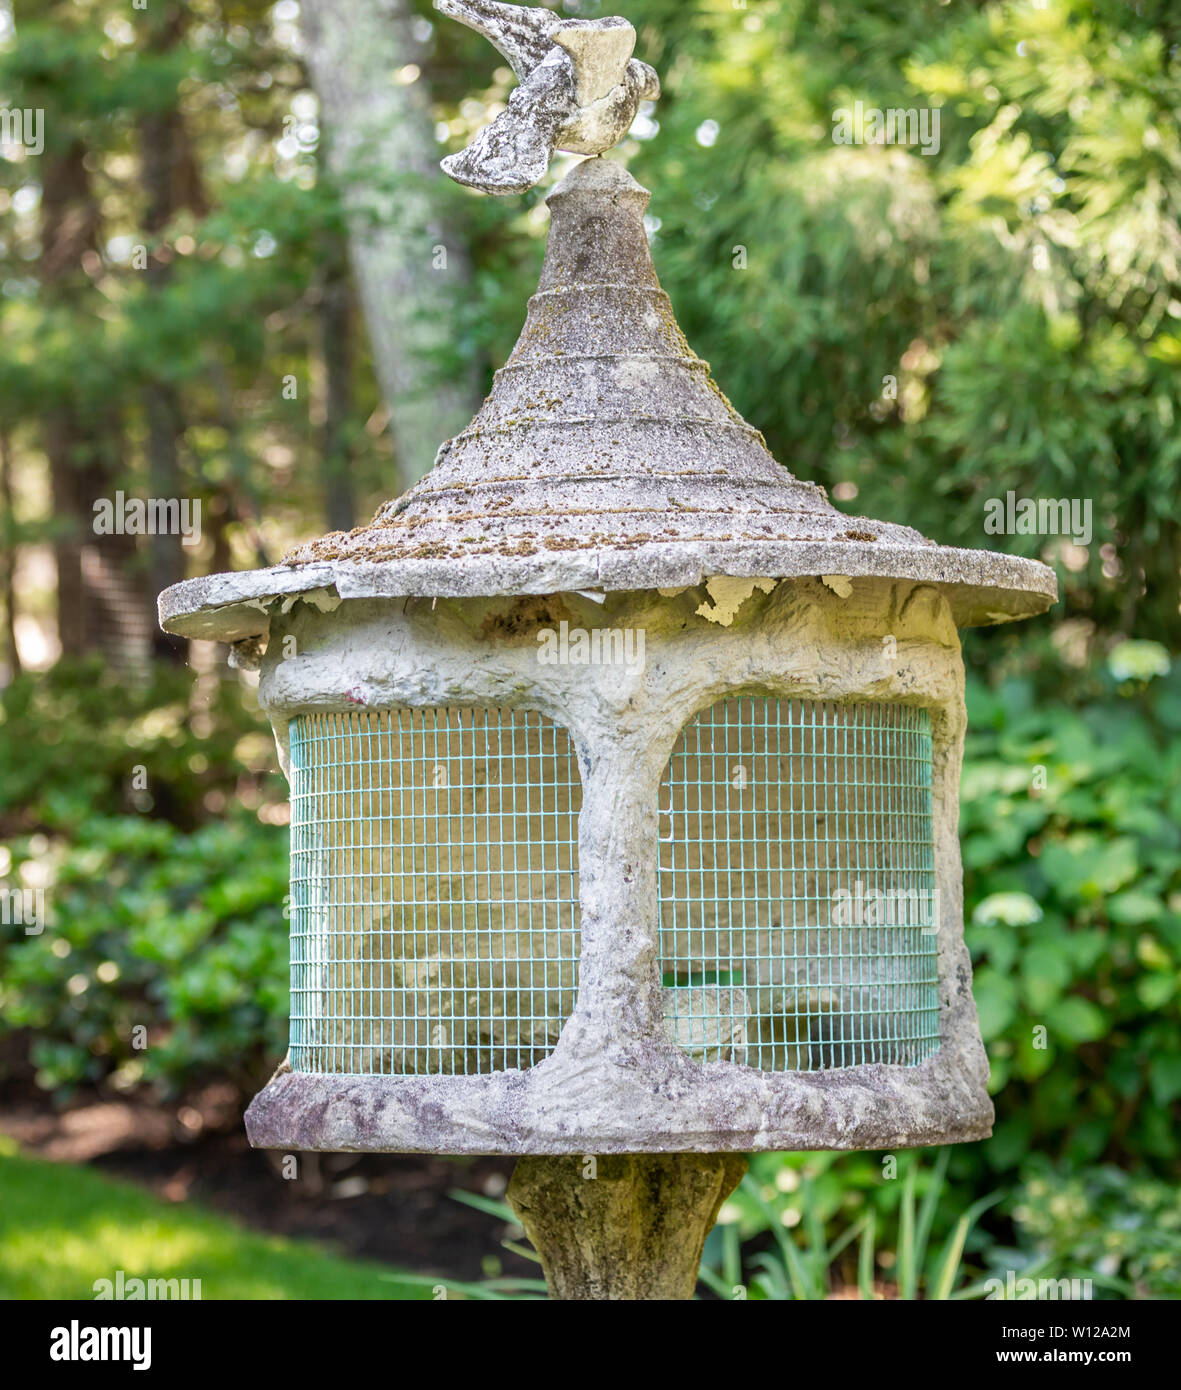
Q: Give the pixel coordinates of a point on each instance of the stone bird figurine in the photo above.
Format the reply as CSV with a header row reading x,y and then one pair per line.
x,y
580,90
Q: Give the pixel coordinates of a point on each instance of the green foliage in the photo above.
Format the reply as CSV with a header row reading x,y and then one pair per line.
x,y
169,745
885,1224
1071,827
811,1226
180,935
1117,1229
220,304
165,912
1020,286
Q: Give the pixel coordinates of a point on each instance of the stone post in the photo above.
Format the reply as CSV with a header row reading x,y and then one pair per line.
x,y
624,1226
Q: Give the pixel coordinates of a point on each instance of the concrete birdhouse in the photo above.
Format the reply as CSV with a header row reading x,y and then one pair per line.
x,y
624,766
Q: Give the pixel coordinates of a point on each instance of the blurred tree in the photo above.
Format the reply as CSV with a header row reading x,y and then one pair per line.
x,y
172,184
97,606
8,543
408,264
336,368
184,332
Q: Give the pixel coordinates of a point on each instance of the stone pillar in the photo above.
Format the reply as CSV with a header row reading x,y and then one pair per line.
x,y
624,1226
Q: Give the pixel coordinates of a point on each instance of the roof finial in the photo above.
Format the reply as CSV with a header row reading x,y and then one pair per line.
x,y
580,90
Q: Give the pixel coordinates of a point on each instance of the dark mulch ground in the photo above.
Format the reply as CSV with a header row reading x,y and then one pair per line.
x,y
394,1208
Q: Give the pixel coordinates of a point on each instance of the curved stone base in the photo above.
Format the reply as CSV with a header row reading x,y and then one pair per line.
x,y
647,1099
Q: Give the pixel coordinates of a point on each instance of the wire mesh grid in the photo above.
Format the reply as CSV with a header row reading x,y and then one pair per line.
x,y
434,890
797,886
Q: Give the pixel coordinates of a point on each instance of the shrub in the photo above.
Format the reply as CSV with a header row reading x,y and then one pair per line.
x,y
1071,831
164,959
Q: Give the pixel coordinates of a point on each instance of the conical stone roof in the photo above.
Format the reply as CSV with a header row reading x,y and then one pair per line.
x,y
605,457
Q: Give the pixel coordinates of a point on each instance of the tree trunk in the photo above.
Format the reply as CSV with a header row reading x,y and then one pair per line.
x,y
171,182
407,268
100,604
8,555
334,321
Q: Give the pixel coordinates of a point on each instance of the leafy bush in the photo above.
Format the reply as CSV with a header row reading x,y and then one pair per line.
x,y
180,935
895,1236
817,1225
1121,1231
1071,831
135,806
79,739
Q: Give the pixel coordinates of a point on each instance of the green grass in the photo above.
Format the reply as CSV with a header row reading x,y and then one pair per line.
x,y
62,1227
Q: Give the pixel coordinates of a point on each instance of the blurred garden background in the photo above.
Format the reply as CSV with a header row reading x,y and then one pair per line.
x,y
918,332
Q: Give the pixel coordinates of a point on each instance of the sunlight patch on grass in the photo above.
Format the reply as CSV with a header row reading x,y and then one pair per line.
x,y
63,1227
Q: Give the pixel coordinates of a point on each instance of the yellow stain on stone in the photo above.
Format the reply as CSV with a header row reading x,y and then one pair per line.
x,y
728,595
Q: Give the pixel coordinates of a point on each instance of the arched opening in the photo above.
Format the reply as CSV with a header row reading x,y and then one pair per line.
x,y
434,890
797,885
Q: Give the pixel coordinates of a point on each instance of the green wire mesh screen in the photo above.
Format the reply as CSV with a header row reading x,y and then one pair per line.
x,y
434,890
797,886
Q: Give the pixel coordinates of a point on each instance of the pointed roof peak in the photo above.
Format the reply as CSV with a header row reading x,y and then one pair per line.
x,y
603,431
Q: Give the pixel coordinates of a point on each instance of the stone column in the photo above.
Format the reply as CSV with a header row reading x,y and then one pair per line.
x,y
627,1226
